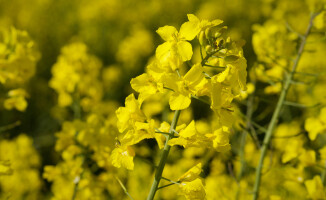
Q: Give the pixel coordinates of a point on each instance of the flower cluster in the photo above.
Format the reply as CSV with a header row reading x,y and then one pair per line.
x,y
18,57
216,80
75,77
19,163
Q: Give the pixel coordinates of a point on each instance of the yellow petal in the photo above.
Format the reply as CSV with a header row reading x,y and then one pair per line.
x,y
123,157
189,131
315,188
193,190
64,99
194,75
178,141
191,174
222,76
314,127
163,51
179,101
308,158
322,116
221,142
184,50
167,33
189,30
192,18
16,102
216,95
5,168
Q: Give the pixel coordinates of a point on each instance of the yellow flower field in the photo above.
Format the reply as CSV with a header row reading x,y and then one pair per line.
x,y
153,99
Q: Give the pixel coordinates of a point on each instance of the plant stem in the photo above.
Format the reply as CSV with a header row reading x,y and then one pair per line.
x,y
164,156
249,114
9,126
124,188
323,175
277,110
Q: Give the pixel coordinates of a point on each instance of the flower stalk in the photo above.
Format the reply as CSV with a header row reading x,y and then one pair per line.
x,y
164,156
278,108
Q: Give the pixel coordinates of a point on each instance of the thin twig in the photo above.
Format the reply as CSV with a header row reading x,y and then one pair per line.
x,y
212,66
201,99
124,188
165,133
9,126
294,104
164,186
292,30
203,62
288,136
174,182
230,169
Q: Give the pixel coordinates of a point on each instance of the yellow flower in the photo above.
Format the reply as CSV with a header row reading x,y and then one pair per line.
x,y
315,188
19,164
190,137
316,125
123,157
76,72
139,132
308,158
146,86
5,167
221,141
129,114
16,100
191,185
197,25
18,56
50,172
184,87
176,49
191,174
193,190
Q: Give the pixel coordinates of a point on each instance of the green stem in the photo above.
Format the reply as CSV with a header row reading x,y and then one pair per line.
x,y
276,113
124,188
166,150
164,186
174,182
323,175
249,114
294,104
203,62
9,126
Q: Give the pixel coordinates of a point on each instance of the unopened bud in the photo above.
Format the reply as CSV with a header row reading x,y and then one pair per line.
x,y
202,38
209,48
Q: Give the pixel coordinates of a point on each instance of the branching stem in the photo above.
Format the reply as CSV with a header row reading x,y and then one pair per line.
x,y
277,110
166,150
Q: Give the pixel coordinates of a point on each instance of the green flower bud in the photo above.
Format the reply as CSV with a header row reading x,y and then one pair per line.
x,y
202,39
209,48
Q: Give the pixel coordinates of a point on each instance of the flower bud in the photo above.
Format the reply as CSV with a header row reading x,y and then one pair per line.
x,y
202,39
209,48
